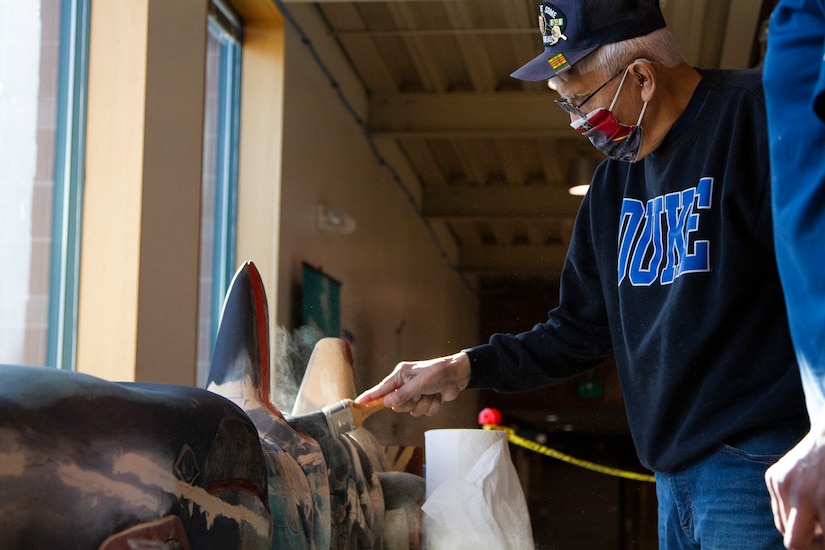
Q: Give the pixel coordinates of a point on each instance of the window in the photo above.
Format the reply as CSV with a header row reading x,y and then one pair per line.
x,y
220,174
43,63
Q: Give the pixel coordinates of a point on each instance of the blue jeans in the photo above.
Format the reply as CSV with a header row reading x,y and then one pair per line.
x,y
721,502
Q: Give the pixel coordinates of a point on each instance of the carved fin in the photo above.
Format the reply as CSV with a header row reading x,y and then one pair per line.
x,y
240,360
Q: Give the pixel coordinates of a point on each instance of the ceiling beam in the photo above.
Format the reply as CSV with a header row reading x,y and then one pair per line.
x,y
360,48
486,113
425,64
504,201
479,67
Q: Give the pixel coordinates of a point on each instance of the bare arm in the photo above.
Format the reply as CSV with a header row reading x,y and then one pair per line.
x,y
797,487
421,387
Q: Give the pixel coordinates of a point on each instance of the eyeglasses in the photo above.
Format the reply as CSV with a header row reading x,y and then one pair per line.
x,y
571,109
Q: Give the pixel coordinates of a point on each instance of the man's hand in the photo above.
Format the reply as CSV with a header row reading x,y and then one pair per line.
x,y
421,387
797,487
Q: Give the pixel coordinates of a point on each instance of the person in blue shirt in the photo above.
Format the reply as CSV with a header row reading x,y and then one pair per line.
x,y
671,270
794,79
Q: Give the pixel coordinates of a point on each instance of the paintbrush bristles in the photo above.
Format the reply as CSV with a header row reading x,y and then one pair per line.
x,y
347,415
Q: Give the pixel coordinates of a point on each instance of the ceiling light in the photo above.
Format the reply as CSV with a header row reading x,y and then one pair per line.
x,y
580,173
579,190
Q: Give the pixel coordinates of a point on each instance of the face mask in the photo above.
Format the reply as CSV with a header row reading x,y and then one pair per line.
x,y
616,140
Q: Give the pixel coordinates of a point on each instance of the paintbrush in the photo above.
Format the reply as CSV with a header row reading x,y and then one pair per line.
x,y
336,419
347,415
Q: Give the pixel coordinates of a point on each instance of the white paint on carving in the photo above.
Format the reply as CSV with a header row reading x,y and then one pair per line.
x,y
12,460
91,483
153,474
12,464
241,392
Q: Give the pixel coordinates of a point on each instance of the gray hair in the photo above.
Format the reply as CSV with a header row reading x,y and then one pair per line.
x,y
659,45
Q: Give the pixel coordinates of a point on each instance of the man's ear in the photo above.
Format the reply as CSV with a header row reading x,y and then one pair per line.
x,y
643,73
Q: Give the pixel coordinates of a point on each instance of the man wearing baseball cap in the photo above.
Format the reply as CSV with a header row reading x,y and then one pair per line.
x,y
671,270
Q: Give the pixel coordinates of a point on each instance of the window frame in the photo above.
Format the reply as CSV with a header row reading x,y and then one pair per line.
x,y
225,20
69,174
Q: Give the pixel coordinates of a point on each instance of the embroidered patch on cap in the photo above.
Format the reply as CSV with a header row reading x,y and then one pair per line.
x,y
552,23
558,62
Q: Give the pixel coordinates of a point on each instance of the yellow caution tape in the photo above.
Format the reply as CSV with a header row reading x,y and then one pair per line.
x,y
553,453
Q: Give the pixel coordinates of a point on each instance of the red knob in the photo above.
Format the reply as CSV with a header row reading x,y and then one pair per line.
x,y
489,416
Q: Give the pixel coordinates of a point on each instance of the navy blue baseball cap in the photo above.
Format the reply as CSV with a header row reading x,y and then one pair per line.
x,y
571,29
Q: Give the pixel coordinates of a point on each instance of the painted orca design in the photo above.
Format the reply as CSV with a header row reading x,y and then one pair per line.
x,y
82,459
86,463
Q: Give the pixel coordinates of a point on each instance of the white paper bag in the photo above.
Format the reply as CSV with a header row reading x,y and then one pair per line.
x,y
473,496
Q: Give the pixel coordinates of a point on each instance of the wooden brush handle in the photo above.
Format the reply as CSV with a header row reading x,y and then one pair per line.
x,y
362,411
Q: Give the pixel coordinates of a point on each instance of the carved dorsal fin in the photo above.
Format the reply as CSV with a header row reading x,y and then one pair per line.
x,y
240,360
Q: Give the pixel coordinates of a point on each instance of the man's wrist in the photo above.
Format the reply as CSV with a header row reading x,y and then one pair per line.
x,y
460,363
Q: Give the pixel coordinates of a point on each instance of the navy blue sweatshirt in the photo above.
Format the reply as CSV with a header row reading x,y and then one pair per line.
x,y
671,269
